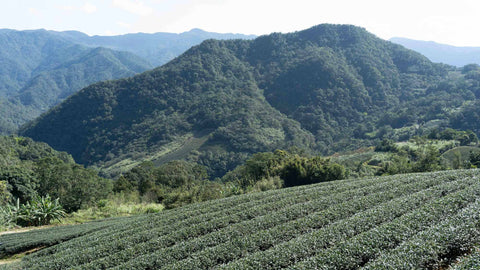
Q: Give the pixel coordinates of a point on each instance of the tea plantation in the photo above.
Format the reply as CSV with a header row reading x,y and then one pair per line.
x,y
413,221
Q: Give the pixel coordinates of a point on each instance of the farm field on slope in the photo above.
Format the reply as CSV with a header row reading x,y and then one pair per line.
x,y
396,222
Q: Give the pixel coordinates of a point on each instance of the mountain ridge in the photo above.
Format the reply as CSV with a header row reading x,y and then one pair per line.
x,y
158,48
41,69
442,53
322,89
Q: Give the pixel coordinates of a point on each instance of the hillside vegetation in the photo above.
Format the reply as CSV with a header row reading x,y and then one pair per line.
x,y
325,89
30,169
412,221
40,69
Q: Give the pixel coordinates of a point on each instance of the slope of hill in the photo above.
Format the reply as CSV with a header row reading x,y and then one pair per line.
x,y
413,221
158,48
324,89
441,53
40,69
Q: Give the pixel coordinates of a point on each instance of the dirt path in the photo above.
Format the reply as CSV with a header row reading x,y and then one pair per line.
x,y
20,230
16,231
19,256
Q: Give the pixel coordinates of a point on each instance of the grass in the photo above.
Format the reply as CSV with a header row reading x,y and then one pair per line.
x,y
178,149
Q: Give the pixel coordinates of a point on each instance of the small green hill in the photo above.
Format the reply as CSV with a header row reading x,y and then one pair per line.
x,y
412,221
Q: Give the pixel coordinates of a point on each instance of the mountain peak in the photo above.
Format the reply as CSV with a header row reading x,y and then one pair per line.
x,y
310,89
196,31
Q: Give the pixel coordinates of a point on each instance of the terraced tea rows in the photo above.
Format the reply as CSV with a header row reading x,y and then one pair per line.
x,y
395,222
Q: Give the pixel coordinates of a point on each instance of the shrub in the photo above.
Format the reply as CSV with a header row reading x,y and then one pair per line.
x,y
39,211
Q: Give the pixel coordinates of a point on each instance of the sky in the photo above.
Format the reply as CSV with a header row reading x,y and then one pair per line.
x,y
443,21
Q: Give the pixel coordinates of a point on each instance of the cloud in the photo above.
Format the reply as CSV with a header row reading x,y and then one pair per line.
x,y
133,6
124,24
34,11
89,8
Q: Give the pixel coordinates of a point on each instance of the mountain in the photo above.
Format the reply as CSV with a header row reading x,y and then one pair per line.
x,y
158,48
324,89
441,53
40,69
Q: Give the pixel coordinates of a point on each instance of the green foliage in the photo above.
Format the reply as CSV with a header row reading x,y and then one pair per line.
x,y
271,170
32,169
475,159
173,184
5,196
419,154
464,137
115,205
73,184
304,171
404,221
39,211
386,145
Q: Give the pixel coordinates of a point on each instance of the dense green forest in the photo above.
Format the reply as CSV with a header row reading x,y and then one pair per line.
x,y
326,89
40,69
30,169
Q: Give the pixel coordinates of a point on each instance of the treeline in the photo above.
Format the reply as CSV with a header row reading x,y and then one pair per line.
x,y
180,182
438,149
29,170
35,178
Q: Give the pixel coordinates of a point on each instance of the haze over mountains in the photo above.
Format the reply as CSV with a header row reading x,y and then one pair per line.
x,y
41,68
157,48
442,53
328,88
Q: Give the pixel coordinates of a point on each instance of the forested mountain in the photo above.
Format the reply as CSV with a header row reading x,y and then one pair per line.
x,y
158,48
39,69
441,53
324,89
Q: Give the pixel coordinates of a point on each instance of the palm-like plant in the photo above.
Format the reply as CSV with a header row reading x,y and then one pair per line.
x,y
38,211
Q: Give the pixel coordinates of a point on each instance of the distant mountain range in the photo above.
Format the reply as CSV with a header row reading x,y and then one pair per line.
x,y
157,48
441,53
40,68
328,88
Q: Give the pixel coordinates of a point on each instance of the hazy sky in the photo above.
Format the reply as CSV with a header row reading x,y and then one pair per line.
x,y
451,22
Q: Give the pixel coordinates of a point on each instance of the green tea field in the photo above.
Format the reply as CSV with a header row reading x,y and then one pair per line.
x,y
412,221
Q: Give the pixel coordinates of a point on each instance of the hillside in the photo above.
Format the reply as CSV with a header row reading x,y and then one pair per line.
x,y
412,221
442,53
157,48
324,89
40,69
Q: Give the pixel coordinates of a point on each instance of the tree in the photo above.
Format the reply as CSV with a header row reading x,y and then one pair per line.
x,y
304,171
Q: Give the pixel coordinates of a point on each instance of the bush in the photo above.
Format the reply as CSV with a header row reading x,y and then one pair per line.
x,y
39,211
